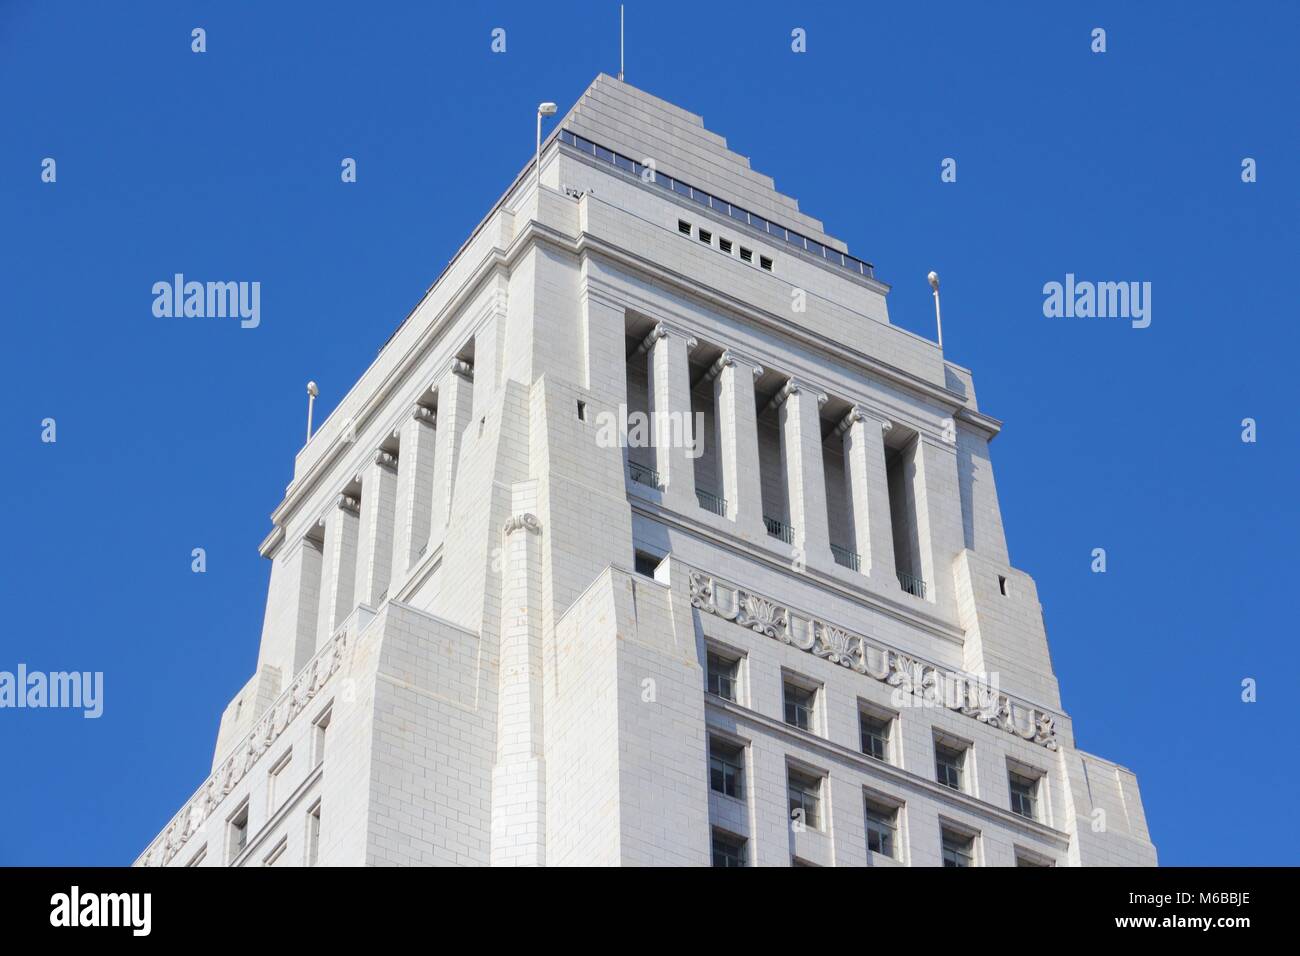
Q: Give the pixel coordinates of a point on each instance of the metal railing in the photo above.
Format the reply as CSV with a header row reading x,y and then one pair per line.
x,y
779,529
737,214
711,502
643,475
847,558
911,584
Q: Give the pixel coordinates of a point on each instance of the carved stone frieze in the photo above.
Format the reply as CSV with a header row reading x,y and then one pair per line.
x,y
293,701
969,695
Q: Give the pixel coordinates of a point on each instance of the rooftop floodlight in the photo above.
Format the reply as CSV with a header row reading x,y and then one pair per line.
x,y
312,392
934,284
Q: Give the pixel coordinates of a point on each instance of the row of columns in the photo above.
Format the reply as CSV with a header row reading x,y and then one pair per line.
x,y
368,540
798,406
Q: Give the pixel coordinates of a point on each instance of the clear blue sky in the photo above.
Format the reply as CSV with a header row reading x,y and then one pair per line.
x,y
177,434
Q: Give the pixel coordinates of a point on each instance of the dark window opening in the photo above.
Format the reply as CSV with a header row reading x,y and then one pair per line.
x,y
646,563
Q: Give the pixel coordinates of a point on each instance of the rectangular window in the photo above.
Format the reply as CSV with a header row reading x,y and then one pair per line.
x,y
313,834
706,237
765,263
727,768
882,829
683,227
1024,795
318,736
1029,859
582,411
724,245
875,731
949,765
237,833
274,785
805,792
728,849
746,255
646,563
724,676
958,849
800,706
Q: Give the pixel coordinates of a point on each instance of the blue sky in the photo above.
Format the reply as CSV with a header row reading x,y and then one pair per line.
x,y
177,434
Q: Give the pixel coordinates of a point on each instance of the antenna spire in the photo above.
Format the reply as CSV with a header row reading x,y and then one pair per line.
x,y
620,43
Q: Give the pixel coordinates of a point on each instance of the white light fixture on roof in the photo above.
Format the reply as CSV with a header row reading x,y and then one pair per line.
x,y
934,284
543,109
312,392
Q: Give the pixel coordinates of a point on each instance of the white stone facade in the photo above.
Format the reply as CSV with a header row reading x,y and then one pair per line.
x,y
489,627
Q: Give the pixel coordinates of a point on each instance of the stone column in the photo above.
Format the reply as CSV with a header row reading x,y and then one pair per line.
x,y
672,423
938,518
417,438
455,408
737,428
801,453
519,774
338,575
868,498
306,569
375,534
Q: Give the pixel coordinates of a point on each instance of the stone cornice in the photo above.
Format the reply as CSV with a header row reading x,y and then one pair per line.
x,y
649,505
934,687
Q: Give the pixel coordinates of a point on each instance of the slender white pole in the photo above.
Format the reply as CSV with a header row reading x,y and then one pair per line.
x,y
539,151
938,319
312,392
620,43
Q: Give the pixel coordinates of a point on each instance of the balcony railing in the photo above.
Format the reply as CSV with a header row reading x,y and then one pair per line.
x,y
779,529
711,502
754,221
912,585
643,475
847,558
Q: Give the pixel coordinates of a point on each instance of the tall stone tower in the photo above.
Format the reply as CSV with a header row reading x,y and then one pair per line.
x,y
647,539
